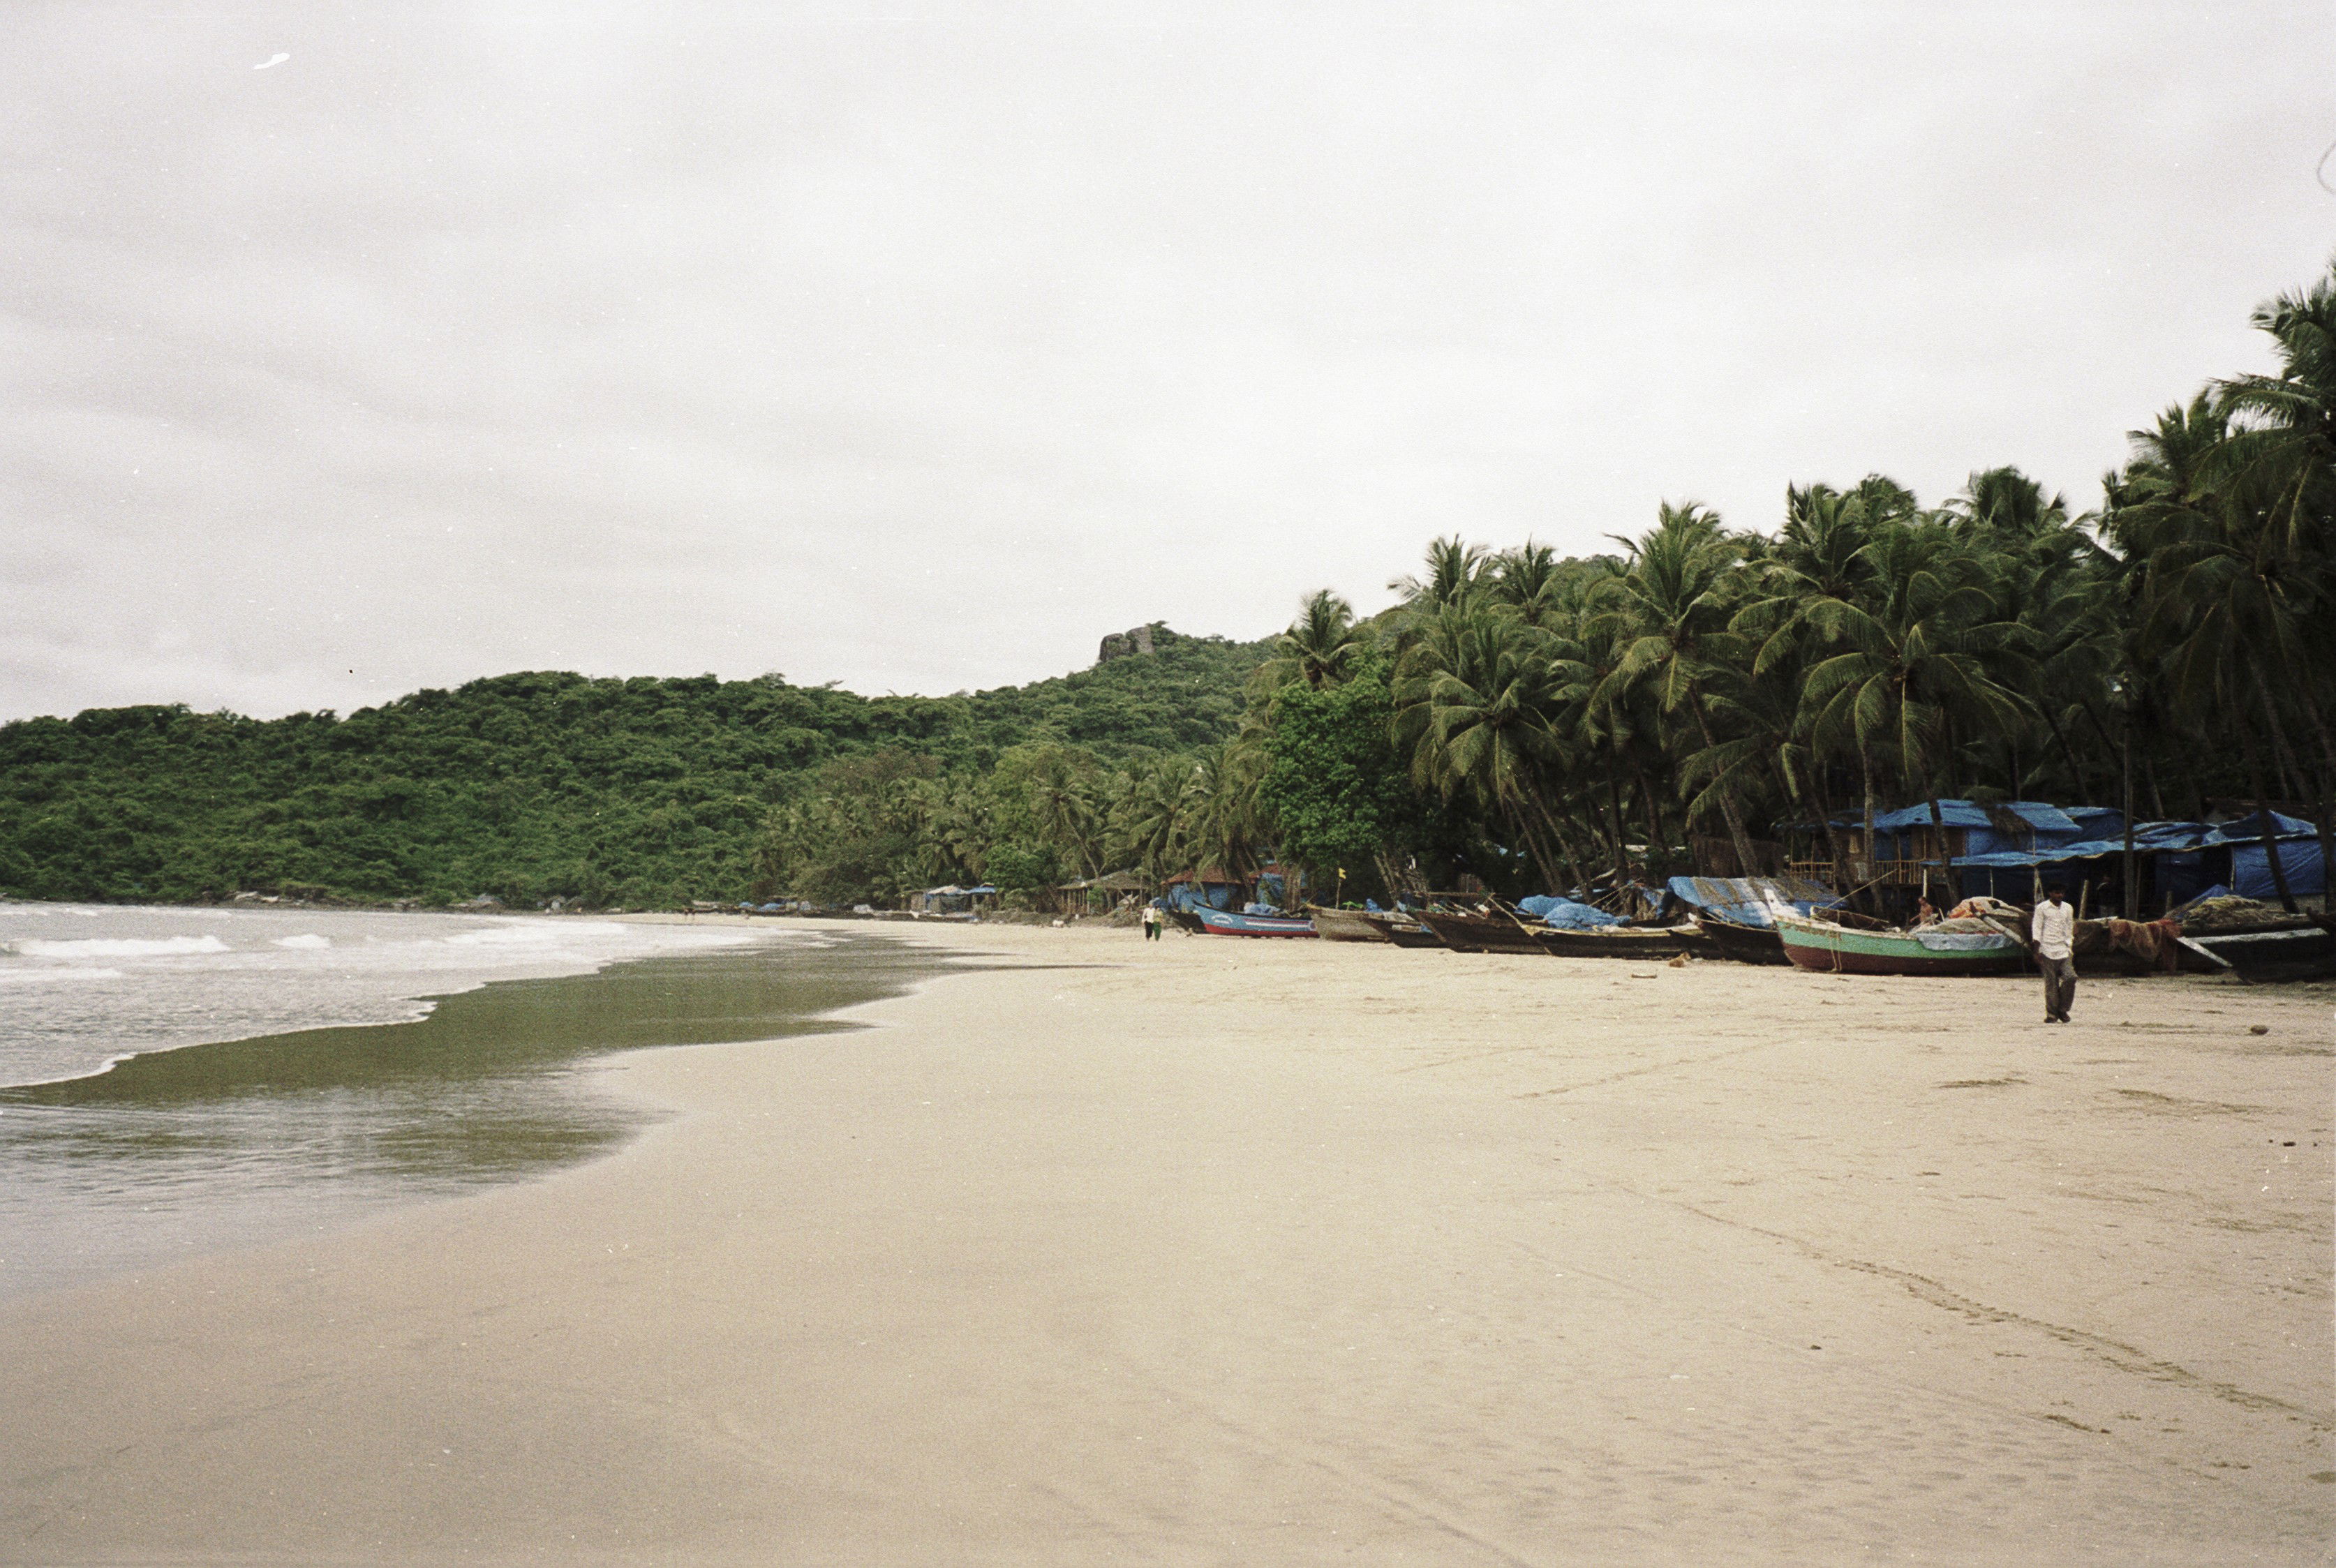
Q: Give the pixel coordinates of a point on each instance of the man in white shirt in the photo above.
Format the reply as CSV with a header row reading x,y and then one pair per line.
x,y
2052,938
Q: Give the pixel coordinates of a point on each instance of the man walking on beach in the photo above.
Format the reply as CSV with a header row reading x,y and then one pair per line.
x,y
2052,938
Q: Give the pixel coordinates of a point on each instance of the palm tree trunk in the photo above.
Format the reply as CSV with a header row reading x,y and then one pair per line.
x,y
2321,799
1800,802
1564,844
1872,852
1728,806
1946,850
1833,847
1621,856
2283,757
2263,819
1565,847
1656,840
2075,769
1537,846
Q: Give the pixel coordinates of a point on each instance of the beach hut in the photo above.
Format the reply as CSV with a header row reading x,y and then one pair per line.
x,y
1213,888
952,900
2173,861
1099,895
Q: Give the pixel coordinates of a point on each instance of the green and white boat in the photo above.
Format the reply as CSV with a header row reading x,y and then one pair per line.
x,y
1967,947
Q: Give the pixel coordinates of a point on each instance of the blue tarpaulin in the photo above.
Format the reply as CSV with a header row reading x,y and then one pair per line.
x,y
1750,900
2035,825
2095,821
2184,857
2307,875
1567,915
2248,829
2148,838
1952,814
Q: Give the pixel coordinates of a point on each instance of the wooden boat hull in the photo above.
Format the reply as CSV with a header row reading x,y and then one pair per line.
x,y
2145,947
1227,923
1185,920
1745,944
1348,926
2297,953
1406,932
1839,950
1475,933
1613,943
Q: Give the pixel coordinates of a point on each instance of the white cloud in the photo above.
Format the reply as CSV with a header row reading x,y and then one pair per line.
x,y
919,354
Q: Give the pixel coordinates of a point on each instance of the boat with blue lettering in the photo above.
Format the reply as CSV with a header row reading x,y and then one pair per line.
x,y
1228,923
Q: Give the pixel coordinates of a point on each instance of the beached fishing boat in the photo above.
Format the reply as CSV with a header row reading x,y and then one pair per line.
x,y
2294,953
1968,947
2123,948
1480,932
1639,942
1372,926
1348,926
1402,929
1185,921
1226,923
1745,944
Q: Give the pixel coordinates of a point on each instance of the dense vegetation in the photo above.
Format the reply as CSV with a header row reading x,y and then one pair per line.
x,y
1534,721
1687,700
1715,685
530,786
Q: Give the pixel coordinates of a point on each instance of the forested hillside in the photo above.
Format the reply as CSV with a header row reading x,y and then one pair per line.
x,y
1533,720
528,786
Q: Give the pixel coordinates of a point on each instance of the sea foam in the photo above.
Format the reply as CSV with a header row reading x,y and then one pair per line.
x,y
117,946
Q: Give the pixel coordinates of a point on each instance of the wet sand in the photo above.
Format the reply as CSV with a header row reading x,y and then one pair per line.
x,y
1207,1252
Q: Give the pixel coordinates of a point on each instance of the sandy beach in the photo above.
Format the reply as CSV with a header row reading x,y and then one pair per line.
x,y
1208,1252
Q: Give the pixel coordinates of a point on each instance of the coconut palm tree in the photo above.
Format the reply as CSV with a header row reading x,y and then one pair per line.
x,y
1675,605
1321,647
2004,507
2231,619
1528,581
1220,827
1148,817
1914,662
1455,572
1475,696
2286,424
1816,569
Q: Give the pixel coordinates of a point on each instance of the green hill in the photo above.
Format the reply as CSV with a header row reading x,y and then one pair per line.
x,y
630,791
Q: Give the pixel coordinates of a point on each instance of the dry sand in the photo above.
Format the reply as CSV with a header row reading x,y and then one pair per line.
x,y
1207,1252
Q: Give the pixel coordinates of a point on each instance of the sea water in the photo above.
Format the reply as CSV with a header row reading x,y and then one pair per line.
x,y
174,1080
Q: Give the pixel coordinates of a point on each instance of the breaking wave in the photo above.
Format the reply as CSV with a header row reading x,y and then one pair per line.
x,y
116,947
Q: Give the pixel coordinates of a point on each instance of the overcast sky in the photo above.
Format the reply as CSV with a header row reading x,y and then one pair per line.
x,y
917,346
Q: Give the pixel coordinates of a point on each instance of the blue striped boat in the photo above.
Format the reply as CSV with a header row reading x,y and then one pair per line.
x,y
1225,923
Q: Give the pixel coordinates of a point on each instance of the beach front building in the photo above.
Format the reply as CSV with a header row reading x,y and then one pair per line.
x,y
1212,889
1906,849
2173,863
1100,895
2012,849
953,900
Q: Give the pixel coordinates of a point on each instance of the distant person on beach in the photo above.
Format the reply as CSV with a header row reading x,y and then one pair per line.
x,y
2052,938
1151,924
1924,914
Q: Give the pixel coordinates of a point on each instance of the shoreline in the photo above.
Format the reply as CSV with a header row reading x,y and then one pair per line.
x,y
1286,1253
180,1150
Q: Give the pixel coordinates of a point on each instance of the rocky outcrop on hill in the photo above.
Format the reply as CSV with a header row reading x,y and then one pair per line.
x,y
1139,640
